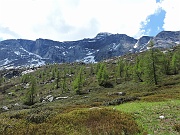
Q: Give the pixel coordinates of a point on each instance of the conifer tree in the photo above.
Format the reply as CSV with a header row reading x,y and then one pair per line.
x,y
126,69
53,74
102,75
138,69
30,95
165,61
25,78
43,77
1,81
64,86
175,63
120,68
91,72
97,68
151,65
57,79
78,82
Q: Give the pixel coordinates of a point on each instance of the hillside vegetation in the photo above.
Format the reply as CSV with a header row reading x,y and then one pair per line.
x,y
129,95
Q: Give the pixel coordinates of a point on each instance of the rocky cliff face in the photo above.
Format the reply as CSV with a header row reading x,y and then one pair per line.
x,y
167,39
21,52
141,44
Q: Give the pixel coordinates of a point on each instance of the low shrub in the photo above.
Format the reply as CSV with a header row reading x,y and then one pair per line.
x,y
84,121
177,127
121,100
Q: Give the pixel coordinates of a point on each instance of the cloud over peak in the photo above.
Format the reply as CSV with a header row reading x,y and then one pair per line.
x,y
76,19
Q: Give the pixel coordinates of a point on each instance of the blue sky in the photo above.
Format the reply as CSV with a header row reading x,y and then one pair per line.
x,y
67,20
154,23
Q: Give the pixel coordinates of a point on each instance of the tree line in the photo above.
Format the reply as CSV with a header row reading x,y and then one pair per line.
x,y
148,67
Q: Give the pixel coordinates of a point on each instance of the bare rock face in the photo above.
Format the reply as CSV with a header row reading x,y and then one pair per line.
x,y
28,53
167,39
141,44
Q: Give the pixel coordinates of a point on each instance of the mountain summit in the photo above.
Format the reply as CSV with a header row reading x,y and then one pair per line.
x,y
21,52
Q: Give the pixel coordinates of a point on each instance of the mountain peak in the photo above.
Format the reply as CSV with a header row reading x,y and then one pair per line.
x,y
103,34
20,52
167,34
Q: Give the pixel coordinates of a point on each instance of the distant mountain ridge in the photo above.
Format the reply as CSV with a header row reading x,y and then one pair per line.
x,y
21,52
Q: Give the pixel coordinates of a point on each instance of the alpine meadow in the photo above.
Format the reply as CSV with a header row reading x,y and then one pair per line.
x,y
132,94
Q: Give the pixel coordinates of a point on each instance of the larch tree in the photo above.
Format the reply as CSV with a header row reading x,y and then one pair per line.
x,y
138,69
126,71
57,79
166,63
151,68
175,62
78,82
64,85
120,68
30,95
102,75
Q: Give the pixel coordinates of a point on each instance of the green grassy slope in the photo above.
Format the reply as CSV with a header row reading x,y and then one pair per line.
x,y
120,105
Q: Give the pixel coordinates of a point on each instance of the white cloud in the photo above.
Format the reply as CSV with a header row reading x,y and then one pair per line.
x,y
73,19
172,18
6,32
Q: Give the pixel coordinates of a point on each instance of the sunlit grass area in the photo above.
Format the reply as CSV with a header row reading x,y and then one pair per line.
x,y
160,118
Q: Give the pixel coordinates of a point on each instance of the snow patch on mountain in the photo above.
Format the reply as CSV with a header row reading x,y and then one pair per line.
x,y
31,53
17,52
177,42
2,48
56,47
27,71
71,47
36,62
115,46
89,59
136,45
64,53
5,62
89,53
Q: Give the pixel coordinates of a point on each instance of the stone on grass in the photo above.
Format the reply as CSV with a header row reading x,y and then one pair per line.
x,y
50,99
16,104
161,117
5,108
57,98
121,93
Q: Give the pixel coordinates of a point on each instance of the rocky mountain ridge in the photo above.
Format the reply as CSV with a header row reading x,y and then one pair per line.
x,y
21,52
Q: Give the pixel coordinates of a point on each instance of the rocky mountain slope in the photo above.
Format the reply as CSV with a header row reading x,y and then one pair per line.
x,y
21,52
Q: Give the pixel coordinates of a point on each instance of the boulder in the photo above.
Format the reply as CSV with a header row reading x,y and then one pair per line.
x,y
57,98
161,117
48,98
11,94
121,93
16,104
5,108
